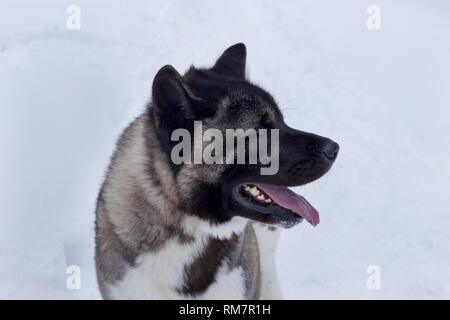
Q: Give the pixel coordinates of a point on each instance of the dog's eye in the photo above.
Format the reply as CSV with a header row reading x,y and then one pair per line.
x,y
265,121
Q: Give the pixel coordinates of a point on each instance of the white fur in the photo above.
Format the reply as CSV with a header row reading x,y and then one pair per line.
x,y
229,284
158,275
199,227
267,242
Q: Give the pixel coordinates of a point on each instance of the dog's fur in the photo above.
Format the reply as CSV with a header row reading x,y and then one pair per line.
x,y
166,231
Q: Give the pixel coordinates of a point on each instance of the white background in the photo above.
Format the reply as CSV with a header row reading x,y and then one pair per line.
x,y
383,95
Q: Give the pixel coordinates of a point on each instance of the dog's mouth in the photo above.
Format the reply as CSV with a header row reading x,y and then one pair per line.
x,y
274,204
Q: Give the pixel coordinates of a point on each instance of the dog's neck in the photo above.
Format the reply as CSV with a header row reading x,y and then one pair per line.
x,y
198,227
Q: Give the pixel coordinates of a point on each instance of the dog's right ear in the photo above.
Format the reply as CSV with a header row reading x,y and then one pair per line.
x,y
173,101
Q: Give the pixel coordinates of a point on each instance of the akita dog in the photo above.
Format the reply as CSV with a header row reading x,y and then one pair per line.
x,y
167,230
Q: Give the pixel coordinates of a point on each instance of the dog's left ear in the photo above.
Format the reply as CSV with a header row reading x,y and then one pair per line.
x,y
232,62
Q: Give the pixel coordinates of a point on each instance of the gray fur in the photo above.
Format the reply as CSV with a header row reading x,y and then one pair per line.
x,y
137,212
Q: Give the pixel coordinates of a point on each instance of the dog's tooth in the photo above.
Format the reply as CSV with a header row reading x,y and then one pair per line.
x,y
260,197
254,191
268,200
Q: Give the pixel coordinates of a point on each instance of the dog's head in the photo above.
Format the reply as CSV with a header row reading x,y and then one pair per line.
x,y
220,99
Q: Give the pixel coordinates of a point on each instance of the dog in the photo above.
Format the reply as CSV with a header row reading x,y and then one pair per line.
x,y
168,230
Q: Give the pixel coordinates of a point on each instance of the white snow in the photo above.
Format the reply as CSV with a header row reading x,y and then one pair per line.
x,y
383,95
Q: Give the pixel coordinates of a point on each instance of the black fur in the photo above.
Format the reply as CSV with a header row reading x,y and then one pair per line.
x,y
179,100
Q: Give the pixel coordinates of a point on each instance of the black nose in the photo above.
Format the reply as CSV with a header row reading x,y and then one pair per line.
x,y
330,150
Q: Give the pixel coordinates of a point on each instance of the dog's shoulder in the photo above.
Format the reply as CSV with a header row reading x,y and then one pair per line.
x,y
129,206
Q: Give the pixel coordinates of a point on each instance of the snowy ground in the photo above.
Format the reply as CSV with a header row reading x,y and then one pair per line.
x,y
65,95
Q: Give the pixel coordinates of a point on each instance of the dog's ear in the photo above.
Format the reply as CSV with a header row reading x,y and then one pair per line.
x,y
174,103
232,62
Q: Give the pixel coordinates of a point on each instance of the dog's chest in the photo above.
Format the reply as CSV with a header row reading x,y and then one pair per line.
x,y
201,269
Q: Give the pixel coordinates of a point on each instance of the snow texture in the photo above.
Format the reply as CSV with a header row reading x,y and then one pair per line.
x,y
383,95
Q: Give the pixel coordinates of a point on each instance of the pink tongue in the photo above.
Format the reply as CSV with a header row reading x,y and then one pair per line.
x,y
290,200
